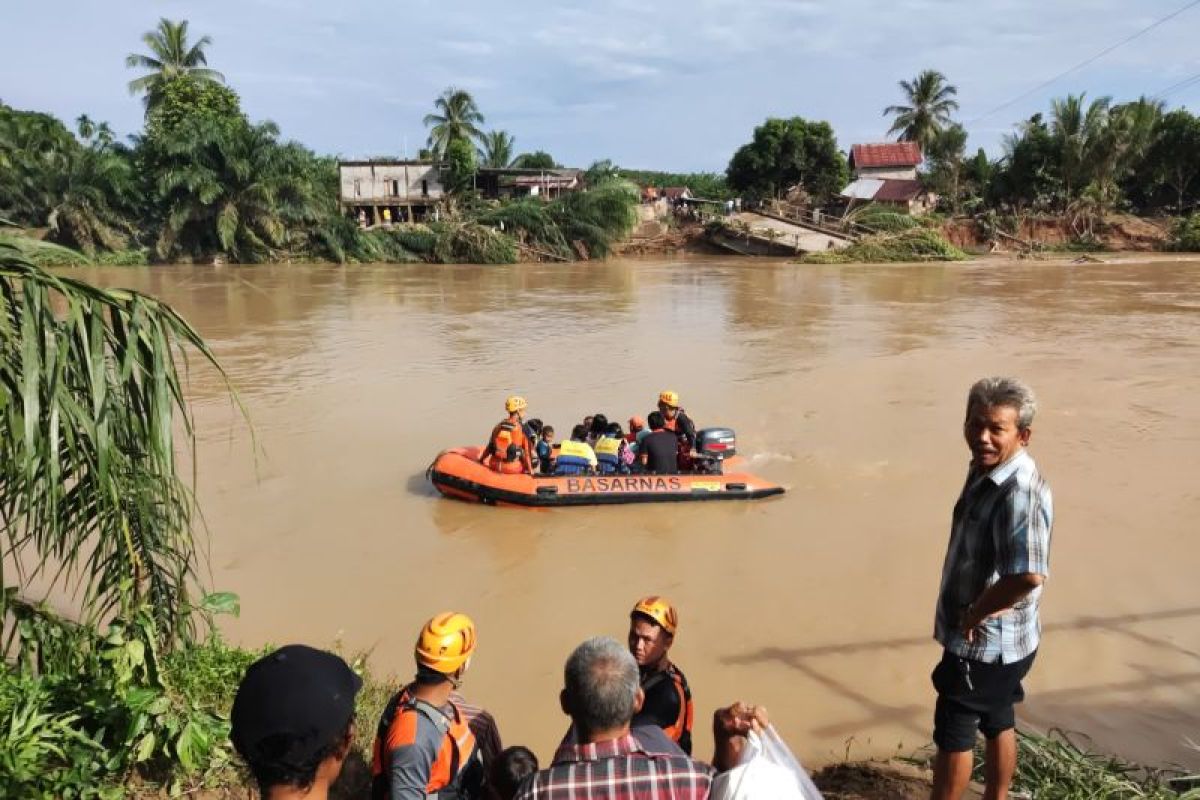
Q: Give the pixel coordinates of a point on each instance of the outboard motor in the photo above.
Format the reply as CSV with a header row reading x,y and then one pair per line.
x,y
713,446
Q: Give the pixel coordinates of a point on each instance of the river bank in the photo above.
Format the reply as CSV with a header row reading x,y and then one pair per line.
x,y
1058,765
902,239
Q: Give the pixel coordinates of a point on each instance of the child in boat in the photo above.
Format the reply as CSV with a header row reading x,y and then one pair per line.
x,y
598,429
575,457
609,448
545,450
533,435
625,452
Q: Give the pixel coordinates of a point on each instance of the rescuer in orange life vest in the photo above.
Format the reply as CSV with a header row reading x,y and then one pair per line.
x,y
508,449
677,421
424,745
668,703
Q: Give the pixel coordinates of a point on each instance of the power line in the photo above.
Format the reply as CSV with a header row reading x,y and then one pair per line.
x,y
1175,87
1087,61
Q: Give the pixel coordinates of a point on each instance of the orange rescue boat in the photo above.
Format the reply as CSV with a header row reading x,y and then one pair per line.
x,y
457,473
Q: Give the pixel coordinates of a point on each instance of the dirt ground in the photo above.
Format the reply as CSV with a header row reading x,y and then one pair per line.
x,y
873,780
1122,232
861,780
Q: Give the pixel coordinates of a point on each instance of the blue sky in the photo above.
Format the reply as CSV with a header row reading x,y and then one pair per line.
x,y
674,84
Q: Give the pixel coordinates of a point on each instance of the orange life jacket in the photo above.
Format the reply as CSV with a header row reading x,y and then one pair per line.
x,y
508,439
680,731
457,770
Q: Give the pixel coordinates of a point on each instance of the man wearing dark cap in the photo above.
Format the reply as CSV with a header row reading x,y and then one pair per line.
x,y
293,721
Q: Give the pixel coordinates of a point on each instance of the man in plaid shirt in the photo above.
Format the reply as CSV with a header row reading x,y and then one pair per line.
x,y
987,610
603,761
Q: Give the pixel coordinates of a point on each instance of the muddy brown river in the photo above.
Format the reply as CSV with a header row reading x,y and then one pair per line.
x,y
845,384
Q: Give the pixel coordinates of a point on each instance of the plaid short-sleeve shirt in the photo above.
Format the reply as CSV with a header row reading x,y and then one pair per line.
x,y
1001,526
618,769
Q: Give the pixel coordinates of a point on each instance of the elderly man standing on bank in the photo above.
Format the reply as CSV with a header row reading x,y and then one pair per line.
x,y
987,609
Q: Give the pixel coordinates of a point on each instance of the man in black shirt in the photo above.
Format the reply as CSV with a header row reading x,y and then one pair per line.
x,y
659,450
668,698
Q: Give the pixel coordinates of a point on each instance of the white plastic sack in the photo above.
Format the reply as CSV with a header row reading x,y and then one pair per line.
x,y
768,771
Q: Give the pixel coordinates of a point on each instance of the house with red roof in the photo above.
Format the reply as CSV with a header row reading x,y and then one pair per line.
x,y
886,173
898,160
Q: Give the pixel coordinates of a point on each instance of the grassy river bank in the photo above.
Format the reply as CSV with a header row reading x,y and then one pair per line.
x,y
204,678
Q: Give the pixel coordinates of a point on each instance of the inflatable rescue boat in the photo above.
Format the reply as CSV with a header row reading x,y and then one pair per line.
x,y
457,473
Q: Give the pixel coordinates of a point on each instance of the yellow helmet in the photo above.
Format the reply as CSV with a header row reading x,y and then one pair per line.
x,y
669,398
515,403
660,610
446,642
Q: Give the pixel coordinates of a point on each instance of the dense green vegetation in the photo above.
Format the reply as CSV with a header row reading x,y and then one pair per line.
x,y
709,185
1083,161
95,509
787,153
203,182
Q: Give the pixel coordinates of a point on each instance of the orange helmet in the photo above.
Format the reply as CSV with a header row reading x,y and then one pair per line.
x,y
669,398
660,610
446,642
515,403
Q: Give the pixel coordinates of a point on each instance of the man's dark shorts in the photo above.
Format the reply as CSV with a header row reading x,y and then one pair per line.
x,y
975,696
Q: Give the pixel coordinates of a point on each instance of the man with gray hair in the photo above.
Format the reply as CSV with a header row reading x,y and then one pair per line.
x,y
603,760
987,609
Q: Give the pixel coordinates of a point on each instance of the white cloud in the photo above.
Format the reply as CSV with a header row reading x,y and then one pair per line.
x,y
593,78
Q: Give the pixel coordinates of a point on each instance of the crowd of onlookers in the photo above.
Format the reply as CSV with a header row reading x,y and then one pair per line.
x,y
630,733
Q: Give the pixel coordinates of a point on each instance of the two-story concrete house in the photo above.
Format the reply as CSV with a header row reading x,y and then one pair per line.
x,y
407,191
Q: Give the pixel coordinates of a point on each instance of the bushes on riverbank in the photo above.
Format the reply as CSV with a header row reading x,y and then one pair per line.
x,y
909,244
90,714
1185,236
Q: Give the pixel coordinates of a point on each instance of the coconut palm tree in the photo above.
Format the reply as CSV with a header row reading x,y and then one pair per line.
x,y
457,117
172,56
497,150
930,102
1079,130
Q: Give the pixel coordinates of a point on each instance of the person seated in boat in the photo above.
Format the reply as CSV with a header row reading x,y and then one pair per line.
x,y
627,455
575,456
598,429
545,450
533,435
610,451
508,449
637,432
676,420
659,451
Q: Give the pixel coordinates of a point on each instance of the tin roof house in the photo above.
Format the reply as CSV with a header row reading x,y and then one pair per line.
x,y
886,172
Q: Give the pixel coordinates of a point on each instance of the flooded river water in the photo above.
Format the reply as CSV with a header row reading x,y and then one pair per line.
x,y
846,384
